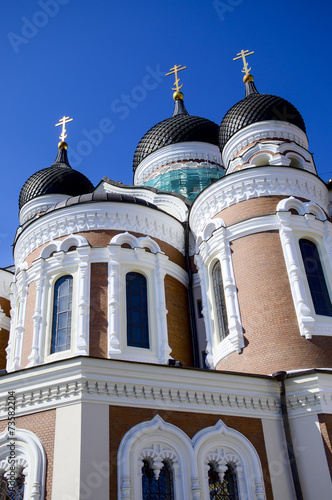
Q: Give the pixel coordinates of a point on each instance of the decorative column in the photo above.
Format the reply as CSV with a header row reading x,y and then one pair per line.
x,y
39,274
82,343
199,261
235,329
114,330
22,292
162,332
296,276
13,302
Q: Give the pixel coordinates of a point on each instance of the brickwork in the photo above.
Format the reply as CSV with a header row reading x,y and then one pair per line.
x,y
122,419
99,239
98,310
5,306
28,325
325,422
272,338
43,425
178,324
253,207
4,337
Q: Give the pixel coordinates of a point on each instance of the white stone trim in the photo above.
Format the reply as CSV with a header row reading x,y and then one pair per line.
x,y
19,300
273,152
155,440
39,205
31,456
301,207
254,183
63,246
98,216
217,248
271,129
176,153
168,202
223,445
4,321
292,229
6,279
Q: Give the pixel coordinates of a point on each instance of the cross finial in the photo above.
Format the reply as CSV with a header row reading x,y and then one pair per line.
x,y
175,70
243,54
63,121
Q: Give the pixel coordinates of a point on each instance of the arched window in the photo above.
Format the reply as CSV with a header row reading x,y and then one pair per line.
x,y
62,309
222,490
12,492
315,276
219,294
137,311
157,489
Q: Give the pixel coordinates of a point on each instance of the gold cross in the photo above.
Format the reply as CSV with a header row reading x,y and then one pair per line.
x,y
243,54
175,70
63,121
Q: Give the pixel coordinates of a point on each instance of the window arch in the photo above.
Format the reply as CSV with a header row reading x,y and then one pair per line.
x,y
222,486
157,488
62,314
137,310
220,301
315,276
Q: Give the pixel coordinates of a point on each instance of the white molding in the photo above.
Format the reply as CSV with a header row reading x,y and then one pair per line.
x,y
6,279
155,440
175,153
168,202
117,382
39,205
273,152
271,129
98,216
224,445
217,248
254,183
30,454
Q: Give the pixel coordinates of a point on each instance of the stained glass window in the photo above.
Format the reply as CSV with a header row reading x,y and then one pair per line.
x,y
315,276
157,489
15,493
219,295
61,332
137,311
223,490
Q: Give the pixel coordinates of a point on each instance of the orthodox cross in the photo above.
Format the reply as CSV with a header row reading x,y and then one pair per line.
x,y
243,54
63,121
175,70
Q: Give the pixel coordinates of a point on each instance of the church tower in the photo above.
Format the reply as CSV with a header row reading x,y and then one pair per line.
x,y
172,338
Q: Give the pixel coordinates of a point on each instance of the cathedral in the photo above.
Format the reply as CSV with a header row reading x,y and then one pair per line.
x,y
172,339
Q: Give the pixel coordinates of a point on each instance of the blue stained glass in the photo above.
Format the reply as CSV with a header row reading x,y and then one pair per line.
x,y
316,279
223,490
157,489
15,493
137,311
61,332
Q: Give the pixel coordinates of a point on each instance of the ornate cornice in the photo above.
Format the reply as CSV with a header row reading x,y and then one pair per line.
x,y
254,183
94,217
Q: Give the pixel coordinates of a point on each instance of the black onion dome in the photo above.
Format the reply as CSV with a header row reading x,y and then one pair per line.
x,y
60,178
181,127
255,108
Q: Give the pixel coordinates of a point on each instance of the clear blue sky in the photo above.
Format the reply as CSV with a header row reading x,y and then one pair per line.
x,y
100,62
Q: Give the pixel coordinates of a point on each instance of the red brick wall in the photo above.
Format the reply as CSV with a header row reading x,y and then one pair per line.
x,y
249,208
43,425
5,305
325,421
178,325
98,310
272,338
4,337
122,419
102,238
28,324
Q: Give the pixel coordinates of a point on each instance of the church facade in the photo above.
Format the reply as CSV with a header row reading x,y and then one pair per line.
x,y
173,338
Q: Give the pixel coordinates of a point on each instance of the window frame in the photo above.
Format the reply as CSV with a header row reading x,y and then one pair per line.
x,y
55,325
220,304
147,326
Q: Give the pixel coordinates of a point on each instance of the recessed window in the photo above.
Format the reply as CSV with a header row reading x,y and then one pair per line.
x,y
316,279
157,489
219,295
137,311
222,490
62,311
10,491
199,309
